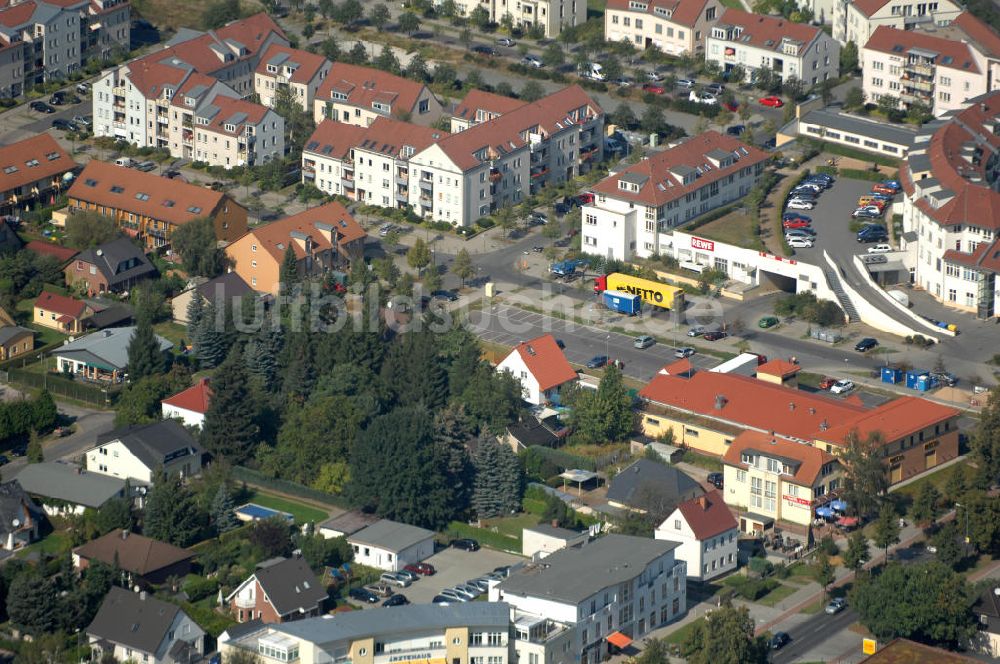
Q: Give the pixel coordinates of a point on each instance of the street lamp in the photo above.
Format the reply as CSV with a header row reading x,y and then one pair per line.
x,y
607,345
966,510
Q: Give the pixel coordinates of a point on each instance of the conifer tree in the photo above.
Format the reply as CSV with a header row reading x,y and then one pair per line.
x,y
145,359
230,430
499,479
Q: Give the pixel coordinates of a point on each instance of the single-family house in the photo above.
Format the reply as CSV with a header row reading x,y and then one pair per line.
x,y
226,290
15,341
112,267
20,517
708,535
65,488
137,627
279,590
391,545
651,486
346,524
546,430
61,313
190,405
108,314
138,452
987,612
539,541
147,561
541,367
100,356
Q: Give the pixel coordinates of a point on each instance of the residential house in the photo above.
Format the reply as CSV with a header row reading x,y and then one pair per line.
x,y
323,238
135,626
284,68
550,17
108,314
546,430
100,356
987,611
357,95
139,452
133,101
674,26
346,524
651,487
20,517
146,561
479,106
32,171
12,54
463,632
279,590
190,405
539,541
64,488
226,290
614,586
708,535
541,367
15,341
915,68
635,209
115,266
790,51
373,168
390,545
856,21
60,313
150,207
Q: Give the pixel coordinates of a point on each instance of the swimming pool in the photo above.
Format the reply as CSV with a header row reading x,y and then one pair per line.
x,y
255,512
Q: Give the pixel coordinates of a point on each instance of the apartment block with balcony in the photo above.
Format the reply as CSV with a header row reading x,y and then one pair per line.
x,y
606,593
789,50
51,34
357,95
857,21
328,157
635,209
551,16
674,26
12,54
297,72
921,69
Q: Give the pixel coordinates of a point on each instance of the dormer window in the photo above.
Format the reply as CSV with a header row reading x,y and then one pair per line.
x,y
189,101
339,96
380,107
230,127
747,458
115,189
628,186
272,69
142,196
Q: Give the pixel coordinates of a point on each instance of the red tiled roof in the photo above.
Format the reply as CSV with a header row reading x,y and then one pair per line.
x,y
780,368
682,12
150,77
194,398
200,52
168,200
387,136
952,54
309,64
229,107
869,7
678,367
546,362
707,515
660,185
364,85
766,32
276,236
17,15
893,420
979,32
42,148
62,254
480,100
810,459
61,304
334,139
986,256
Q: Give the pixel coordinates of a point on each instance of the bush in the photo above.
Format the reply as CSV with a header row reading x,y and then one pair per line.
x,y
694,108
828,546
198,588
485,222
760,566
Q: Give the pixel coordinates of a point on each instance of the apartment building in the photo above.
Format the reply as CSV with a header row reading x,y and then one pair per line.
x,y
673,26
856,21
149,207
461,633
918,68
951,209
787,49
12,54
498,163
480,106
549,15
357,95
33,171
367,164
613,587
635,209
707,533
133,101
284,68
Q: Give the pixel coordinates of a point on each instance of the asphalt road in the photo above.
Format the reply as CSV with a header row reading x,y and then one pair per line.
x,y
87,425
810,634
21,122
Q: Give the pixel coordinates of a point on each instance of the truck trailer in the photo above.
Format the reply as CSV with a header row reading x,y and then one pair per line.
x,y
623,303
653,293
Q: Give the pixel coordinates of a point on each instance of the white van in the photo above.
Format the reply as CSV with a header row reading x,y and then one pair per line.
x,y
593,71
127,162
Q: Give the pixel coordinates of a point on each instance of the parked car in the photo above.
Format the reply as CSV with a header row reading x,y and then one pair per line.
x,y
485,50
800,205
442,600
411,576
622,81
883,188
645,341
795,223
809,186
532,61
715,479
453,595
715,88
423,569
654,88
796,216
465,544
714,335
597,362
942,377
57,98
703,98
393,579
83,88
772,101
451,296
82,121
881,248
506,41
842,386
806,232
380,589
866,344
779,640
396,600
800,243
481,584
64,125
825,178
171,173
146,166
873,233
41,107
836,605
363,595
767,321
686,351
469,589
866,213
461,594
685,83
538,217
561,209
696,331
827,383
736,130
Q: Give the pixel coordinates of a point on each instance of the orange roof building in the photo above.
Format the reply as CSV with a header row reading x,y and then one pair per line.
x,y
189,405
707,532
675,26
60,313
541,367
357,95
300,72
33,170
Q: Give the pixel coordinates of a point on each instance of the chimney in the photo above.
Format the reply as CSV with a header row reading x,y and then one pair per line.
x,y
791,405
124,534
703,501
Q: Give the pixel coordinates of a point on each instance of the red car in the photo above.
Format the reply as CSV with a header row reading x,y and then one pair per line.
x,y
796,223
772,101
655,88
827,383
586,198
883,189
423,569
731,106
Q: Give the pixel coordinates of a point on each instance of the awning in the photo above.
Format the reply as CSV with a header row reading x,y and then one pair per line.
x,y
839,505
825,512
65,319
619,640
759,518
847,521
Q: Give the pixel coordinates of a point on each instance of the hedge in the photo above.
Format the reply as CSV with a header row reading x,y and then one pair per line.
x,y
64,387
564,459
257,478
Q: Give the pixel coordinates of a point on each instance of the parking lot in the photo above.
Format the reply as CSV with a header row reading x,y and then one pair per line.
x,y
831,218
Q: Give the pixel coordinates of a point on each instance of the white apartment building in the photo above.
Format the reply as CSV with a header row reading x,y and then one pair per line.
x,y
284,68
673,26
368,164
918,68
787,49
635,209
951,209
478,107
551,15
614,585
461,633
357,95
223,130
856,21
497,163
708,535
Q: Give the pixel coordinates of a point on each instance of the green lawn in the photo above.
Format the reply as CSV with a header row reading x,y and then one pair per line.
x,y
815,607
300,511
705,461
512,526
172,332
938,478
55,543
734,228
682,634
732,4
776,595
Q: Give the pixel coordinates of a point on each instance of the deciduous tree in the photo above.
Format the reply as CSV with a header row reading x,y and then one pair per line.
x,y
409,22
985,441
886,529
726,637
462,266
419,255
857,553
926,504
865,481
378,15
196,243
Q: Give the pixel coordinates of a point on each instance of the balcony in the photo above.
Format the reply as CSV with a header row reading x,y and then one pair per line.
x,y
495,175
118,91
404,178
588,153
426,201
348,166
918,68
402,196
426,185
539,173
349,177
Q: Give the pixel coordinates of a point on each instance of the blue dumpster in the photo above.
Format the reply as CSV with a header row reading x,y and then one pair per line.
x,y
892,375
913,376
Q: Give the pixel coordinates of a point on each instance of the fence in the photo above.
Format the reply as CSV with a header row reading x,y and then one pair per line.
x,y
259,479
63,387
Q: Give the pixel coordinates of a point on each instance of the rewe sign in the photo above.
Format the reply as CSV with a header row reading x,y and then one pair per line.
x,y
698,243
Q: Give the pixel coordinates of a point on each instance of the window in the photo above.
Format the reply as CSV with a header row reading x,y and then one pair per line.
x,y
944,96
741,476
677,524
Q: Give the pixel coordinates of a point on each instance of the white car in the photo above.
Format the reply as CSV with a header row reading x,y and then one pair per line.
x,y
532,61
506,41
800,243
880,249
703,98
686,83
654,76
841,386
800,205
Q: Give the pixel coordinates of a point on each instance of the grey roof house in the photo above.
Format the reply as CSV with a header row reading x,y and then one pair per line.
x,y
100,356
136,452
65,488
20,517
135,626
279,590
114,266
346,524
221,290
391,545
650,486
